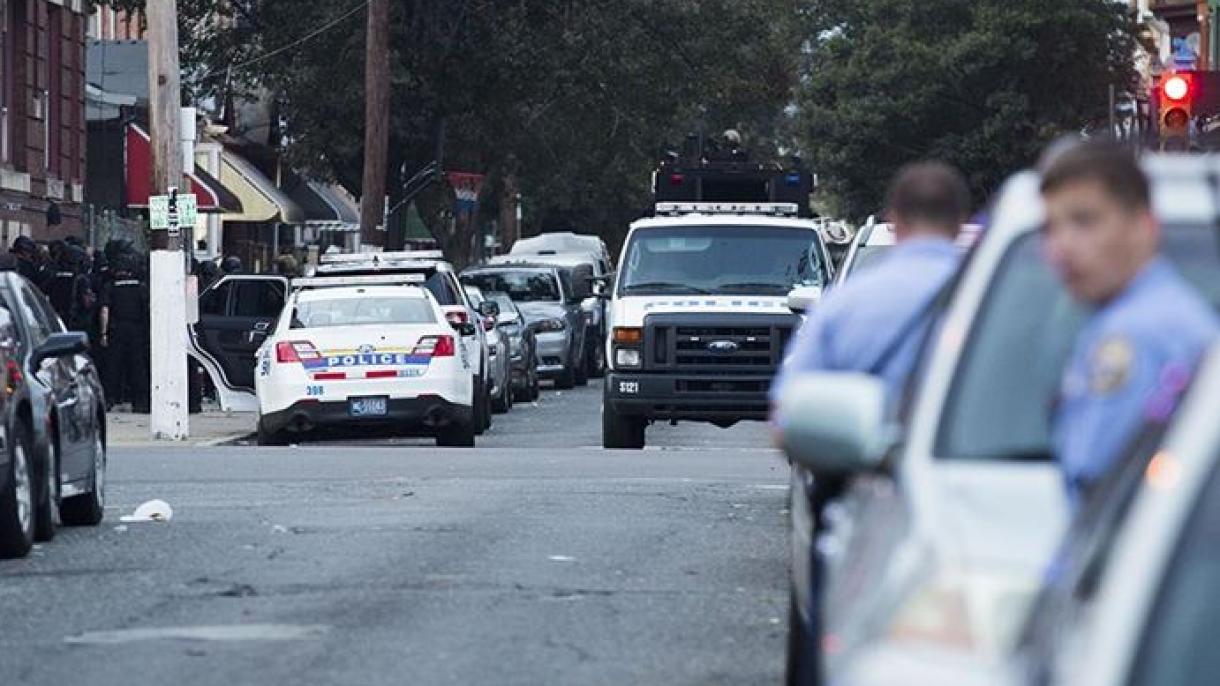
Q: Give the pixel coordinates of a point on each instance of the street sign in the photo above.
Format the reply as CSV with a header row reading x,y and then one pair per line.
x,y
158,212
160,217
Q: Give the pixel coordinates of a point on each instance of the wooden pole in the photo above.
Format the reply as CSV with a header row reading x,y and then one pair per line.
x,y
167,287
376,122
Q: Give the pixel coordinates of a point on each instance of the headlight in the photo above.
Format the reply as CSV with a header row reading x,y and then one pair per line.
x,y
626,357
551,325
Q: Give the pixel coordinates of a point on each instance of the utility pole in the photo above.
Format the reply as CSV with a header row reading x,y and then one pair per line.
x,y
167,285
376,121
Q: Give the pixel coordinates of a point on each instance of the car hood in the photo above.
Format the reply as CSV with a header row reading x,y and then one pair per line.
x,y
535,311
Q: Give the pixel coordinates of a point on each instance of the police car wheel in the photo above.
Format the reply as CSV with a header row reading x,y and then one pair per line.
x,y
268,437
503,402
88,509
482,417
566,379
459,433
621,433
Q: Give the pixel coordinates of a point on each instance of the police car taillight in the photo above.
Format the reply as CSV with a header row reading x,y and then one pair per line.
x,y
295,351
435,346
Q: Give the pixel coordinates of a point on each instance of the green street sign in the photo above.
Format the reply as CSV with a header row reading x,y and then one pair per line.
x,y
158,212
160,218
188,210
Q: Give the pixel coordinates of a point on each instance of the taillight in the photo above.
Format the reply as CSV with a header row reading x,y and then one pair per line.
x,y
15,378
435,346
295,351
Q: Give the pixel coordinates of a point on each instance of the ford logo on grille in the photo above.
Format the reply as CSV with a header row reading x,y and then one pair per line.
x,y
722,347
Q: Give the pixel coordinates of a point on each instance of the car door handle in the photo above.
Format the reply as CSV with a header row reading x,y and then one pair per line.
x,y
262,326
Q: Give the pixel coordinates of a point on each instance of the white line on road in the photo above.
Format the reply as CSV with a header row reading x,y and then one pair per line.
x,y
236,632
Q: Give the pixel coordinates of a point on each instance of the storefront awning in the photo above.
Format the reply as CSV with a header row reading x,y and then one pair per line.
x,y
261,200
210,193
327,207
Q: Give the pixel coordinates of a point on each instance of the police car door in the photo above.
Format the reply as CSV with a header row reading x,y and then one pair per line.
x,y
235,316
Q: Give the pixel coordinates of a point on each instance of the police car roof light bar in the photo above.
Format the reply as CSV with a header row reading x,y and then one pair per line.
x,y
778,209
381,256
341,281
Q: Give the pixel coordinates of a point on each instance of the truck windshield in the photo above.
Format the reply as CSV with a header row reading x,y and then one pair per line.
x,y
729,260
522,285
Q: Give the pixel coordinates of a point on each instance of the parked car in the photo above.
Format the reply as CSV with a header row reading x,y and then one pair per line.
x,y
591,267
522,346
237,311
935,549
499,374
366,351
1132,597
874,241
54,417
558,242
551,302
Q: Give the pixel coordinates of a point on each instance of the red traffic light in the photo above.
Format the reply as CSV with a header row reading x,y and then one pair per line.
x,y
1176,87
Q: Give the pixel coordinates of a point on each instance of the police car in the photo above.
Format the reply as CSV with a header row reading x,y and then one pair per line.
x,y
366,350
935,550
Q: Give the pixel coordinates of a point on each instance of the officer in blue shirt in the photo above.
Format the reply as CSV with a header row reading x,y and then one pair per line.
x,y
1147,328
873,322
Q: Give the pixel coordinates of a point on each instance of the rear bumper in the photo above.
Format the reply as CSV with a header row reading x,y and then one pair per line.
x,y
424,412
688,397
554,353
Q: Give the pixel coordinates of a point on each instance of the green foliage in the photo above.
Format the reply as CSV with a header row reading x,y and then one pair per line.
x,y
983,84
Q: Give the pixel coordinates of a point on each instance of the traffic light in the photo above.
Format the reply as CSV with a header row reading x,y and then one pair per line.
x,y
1177,105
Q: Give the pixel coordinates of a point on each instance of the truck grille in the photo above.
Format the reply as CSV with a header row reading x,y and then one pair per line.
x,y
732,344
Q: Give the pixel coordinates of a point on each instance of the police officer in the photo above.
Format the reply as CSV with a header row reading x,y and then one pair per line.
x,y
1147,327
68,288
29,263
874,321
124,326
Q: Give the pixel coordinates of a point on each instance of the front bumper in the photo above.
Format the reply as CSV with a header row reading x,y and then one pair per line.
x,y
717,399
424,412
554,352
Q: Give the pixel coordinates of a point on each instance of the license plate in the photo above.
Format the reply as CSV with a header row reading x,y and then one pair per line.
x,y
367,407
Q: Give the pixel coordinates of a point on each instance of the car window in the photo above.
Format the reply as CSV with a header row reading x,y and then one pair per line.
x,y
260,299
37,322
1000,402
868,256
215,301
442,289
522,285
1179,642
313,314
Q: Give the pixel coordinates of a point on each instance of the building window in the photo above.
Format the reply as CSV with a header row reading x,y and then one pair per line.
x,y
55,90
6,79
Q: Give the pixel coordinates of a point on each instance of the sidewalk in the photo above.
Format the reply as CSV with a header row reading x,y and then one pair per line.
x,y
210,428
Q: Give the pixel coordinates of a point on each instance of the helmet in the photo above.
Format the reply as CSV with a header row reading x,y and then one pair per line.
x,y
231,264
24,245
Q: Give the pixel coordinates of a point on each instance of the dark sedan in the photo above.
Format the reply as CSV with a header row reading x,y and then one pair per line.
x,y
59,419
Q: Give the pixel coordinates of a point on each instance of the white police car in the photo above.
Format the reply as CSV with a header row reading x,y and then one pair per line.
x,y
366,351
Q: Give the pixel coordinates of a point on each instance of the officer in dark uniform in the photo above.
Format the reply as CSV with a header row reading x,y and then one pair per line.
x,y
125,327
69,289
28,263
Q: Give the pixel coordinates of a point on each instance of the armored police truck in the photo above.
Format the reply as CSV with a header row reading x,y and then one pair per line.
x,y
710,290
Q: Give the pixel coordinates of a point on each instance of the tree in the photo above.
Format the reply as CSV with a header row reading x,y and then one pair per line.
x,y
982,84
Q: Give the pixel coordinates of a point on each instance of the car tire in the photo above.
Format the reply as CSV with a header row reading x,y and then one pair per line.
x,y
47,512
504,401
567,378
481,415
459,433
17,499
267,437
89,508
582,371
622,433
802,663
597,361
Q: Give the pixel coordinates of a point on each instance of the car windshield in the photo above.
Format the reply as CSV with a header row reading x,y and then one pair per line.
x,y
505,303
723,260
1179,639
322,313
521,285
999,406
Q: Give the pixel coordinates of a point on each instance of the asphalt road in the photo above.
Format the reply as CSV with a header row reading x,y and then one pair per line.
x,y
536,558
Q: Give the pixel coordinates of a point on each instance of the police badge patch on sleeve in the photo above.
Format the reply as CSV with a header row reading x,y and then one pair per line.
x,y
1111,365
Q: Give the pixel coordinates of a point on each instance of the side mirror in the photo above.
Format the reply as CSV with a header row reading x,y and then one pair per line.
x,y
802,298
489,308
463,328
835,423
61,345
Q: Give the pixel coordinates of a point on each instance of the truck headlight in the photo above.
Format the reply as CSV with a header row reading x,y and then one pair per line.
x,y
548,325
626,357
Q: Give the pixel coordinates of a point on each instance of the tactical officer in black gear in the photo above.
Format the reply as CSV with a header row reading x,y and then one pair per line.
x,y
28,263
69,290
125,326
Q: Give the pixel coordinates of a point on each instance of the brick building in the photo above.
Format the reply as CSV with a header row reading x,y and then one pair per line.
x,y
42,118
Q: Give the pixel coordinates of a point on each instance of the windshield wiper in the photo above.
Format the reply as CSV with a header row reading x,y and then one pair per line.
x,y
753,286
664,286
